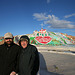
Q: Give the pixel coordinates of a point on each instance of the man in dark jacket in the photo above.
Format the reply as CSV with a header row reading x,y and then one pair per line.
x,y
9,56
29,58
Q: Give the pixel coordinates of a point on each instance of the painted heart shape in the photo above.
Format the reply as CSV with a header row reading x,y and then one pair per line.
x,y
43,40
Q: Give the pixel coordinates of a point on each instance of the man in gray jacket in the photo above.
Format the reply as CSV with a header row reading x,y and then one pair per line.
x,y
29,57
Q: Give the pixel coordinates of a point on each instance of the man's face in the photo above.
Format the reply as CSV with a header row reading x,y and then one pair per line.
x,y
24,44
8,40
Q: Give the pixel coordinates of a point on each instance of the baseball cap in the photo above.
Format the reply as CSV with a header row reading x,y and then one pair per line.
x,y
24,39
8,35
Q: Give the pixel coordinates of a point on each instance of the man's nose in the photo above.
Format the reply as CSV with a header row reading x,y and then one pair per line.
x,y
8,39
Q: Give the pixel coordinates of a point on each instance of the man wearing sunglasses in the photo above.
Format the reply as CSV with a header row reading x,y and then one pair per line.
x,y
9,56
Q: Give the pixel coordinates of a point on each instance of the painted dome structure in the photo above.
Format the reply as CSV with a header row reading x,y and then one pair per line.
x,y
49,38
44,37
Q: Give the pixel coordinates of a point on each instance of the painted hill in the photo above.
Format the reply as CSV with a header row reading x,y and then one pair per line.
x,y
1,40
48,38
73,37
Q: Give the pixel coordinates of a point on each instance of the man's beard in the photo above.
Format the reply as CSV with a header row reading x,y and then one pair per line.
x,y
8,42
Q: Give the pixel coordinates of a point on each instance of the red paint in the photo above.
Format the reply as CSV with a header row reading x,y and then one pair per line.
x,y
43,40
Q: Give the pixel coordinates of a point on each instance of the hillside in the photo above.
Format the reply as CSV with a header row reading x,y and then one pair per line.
x,y
43,37
73,37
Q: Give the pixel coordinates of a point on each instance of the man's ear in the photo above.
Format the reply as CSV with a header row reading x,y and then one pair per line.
x,y
13,38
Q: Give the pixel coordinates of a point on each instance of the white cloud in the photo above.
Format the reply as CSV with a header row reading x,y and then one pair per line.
x,y
42,25
67,16
48,1
40,16
53,21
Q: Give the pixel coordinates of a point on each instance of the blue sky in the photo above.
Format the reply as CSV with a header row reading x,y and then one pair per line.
x,y
25,16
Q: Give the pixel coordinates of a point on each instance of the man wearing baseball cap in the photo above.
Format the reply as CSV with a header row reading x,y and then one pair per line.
x,y
9,56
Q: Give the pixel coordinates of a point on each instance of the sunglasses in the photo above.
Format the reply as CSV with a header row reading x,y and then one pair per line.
x,y
7,38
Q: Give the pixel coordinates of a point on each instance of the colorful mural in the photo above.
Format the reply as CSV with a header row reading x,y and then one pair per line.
x,y
44,37
49,38
1,39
